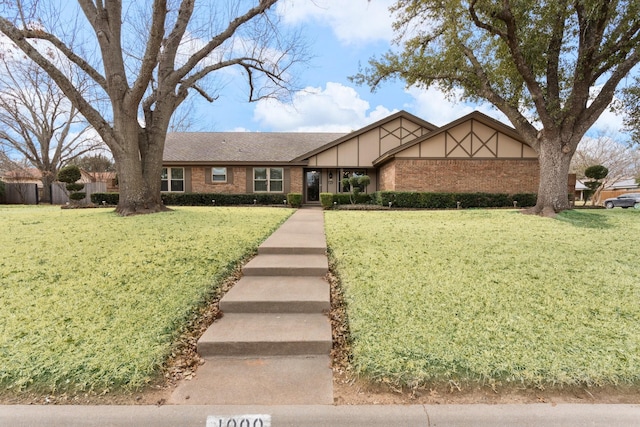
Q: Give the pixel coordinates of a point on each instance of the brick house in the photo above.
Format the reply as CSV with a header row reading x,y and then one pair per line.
x,y
401,152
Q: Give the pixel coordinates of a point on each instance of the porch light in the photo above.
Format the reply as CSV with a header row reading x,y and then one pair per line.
x,y
330,175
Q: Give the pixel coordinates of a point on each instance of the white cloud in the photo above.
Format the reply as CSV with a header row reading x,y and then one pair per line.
x,y
352,21
336,108
432,105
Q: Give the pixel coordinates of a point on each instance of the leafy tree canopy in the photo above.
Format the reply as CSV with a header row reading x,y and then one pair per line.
x,y
552,67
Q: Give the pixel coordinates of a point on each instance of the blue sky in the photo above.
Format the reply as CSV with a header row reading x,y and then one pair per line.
x,y
342,34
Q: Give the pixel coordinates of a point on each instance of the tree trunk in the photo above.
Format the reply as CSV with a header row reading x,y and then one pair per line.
x,y
553,196
139,177
47,181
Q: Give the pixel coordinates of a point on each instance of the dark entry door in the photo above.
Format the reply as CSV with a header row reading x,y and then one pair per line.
x,y
313,186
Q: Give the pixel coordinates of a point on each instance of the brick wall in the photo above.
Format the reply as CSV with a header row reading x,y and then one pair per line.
x,y
387,176
199,182
295,177
462,176
237,185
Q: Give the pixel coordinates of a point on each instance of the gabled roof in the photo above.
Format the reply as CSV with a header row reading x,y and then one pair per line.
x,y
399,114
242,147
475,115
623,183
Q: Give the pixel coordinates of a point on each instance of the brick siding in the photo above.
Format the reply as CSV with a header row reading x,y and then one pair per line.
x,y
200,185
462,176
295,177
199,182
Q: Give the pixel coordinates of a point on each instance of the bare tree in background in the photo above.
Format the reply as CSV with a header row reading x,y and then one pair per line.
x,y
38,122
151,56
622,160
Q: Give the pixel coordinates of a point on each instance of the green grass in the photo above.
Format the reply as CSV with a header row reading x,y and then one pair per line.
x,y
491,296
93,301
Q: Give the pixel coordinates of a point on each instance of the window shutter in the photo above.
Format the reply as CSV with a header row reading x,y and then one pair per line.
x,y
187,180
286,186
229,175
207,175
249,180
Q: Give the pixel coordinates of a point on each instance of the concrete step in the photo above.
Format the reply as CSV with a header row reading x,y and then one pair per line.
x,y
277,294
294,243
287,265
299,380
251,334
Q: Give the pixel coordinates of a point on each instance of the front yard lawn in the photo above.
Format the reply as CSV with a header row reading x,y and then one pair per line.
x,y
491,297
93,301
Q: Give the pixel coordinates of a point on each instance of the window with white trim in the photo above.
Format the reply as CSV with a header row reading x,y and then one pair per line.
x,y
172,179
268,180
218,174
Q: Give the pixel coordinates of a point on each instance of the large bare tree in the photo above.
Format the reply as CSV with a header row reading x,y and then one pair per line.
x,y
38,122
551,66
151,54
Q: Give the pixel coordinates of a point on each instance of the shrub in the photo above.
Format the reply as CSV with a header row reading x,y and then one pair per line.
x,y
346,198
294,199
1,190
326,200
356,184
202,199
69,174
415,200
108,198
524,200
74,186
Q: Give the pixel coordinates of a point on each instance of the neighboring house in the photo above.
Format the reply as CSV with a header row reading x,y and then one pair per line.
x,y
621,186
401,152
579,191
22,176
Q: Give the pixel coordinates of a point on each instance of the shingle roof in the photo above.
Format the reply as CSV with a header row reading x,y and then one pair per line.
x,y
220,147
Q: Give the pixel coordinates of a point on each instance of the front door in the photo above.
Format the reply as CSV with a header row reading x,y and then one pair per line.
x,y
312,180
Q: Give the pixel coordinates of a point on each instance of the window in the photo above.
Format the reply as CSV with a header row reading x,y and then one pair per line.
x,y
172,179
268,180
219,174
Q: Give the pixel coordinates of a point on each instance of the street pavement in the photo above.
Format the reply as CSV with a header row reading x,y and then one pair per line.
x,y
548,415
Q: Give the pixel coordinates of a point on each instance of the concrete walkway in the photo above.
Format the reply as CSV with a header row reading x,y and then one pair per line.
x,y
272,345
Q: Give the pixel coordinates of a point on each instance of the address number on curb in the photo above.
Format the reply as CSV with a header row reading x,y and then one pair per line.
x,y
260,420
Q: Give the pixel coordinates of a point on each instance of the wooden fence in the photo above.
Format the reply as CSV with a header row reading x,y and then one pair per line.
x,y
30,194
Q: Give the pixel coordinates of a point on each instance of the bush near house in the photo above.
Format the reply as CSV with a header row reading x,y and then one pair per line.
x,y
326,200
294,200
203,199
412,199
399,199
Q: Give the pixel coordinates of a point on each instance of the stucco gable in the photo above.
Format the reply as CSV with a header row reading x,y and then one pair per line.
x,y
360,148
475,135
